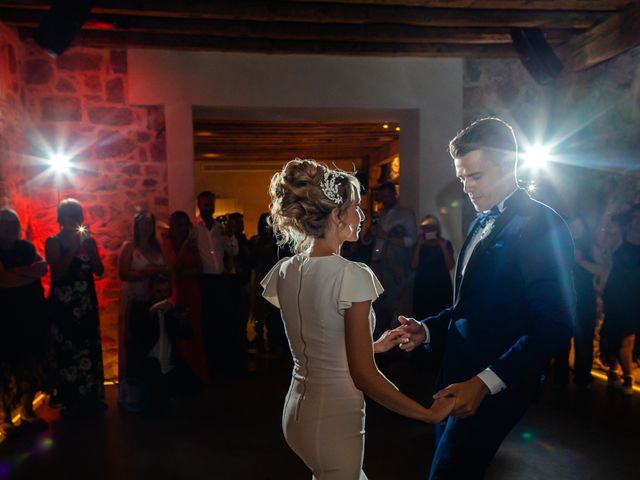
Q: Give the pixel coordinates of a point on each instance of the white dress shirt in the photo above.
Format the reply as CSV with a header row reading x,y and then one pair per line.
x,y
212,245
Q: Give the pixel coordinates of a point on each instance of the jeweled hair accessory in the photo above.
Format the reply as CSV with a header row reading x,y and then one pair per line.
x,y
330,186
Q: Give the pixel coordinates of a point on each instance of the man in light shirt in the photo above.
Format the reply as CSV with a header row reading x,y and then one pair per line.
x,y
218,310
393,233
513,307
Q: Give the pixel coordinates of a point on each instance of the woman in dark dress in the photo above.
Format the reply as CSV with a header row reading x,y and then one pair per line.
x,y
432,261
73,257
584,271
24,334
622,304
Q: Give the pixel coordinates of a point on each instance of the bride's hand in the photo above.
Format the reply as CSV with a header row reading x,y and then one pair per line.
x,y
390,339
441,409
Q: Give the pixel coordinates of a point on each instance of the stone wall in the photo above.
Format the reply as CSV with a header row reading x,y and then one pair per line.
x,y
593,116
76,105
11,138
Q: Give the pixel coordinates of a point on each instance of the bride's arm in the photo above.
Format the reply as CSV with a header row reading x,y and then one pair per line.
x,y
371,381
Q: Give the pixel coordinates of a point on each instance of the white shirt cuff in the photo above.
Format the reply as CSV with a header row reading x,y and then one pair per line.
x,y
427,338
492,381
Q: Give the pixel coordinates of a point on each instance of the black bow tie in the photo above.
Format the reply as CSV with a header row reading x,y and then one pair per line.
x,y
484,217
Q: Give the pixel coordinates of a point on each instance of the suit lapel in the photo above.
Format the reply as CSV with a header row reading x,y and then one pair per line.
x,y
465,245
481,247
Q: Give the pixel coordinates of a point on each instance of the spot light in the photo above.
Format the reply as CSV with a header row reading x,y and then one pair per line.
x,y
60,163
385,126
537,156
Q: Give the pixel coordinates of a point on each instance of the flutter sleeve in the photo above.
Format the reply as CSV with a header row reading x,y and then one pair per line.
x,y
270,283
359,284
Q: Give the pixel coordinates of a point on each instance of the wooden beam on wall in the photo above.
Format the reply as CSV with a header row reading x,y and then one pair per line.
x,y
619,33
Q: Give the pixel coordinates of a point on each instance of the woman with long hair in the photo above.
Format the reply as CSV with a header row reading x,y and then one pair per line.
x,y
138,261
180,248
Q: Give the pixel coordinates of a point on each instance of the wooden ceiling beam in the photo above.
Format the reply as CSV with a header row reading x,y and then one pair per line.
x,y
619,33
282,158
289,30
277,46
578,5
288,11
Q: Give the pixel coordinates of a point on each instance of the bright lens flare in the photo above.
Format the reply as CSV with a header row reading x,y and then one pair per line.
x,y
82,229
60,163
537,156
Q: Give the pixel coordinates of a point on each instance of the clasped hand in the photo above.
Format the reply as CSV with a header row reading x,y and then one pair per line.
x,y
468,395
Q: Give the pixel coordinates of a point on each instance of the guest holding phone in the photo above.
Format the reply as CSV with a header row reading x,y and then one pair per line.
x,y
432,261
73,257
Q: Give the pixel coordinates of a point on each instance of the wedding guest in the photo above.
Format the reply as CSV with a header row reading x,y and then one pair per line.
x,y
24,335
240,279
153,357
606,243
181,252
73,258
138,261
393,232
584,271
217,307
432,261
264,255
622,303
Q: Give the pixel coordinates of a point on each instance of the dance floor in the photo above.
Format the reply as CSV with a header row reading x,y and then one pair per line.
x,y
232,432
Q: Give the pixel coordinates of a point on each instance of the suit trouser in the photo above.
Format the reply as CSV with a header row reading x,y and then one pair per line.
x,y
465,448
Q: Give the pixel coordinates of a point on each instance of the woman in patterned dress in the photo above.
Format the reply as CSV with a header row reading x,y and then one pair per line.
x,y
74,259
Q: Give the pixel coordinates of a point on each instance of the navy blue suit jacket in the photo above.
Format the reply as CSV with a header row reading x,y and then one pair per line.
x,y
514,307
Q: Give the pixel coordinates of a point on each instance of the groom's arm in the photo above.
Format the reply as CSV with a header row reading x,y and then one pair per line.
x,y
545,261
435,328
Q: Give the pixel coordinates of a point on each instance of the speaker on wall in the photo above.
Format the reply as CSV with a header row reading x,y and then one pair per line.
x,y
536,54
60,25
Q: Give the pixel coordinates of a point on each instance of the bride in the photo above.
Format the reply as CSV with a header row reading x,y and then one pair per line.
x,y
326,308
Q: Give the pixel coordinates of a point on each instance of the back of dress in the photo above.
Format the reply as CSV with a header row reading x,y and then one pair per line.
x,y
323,417
313,293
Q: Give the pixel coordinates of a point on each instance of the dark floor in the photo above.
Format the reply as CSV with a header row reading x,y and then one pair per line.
x,y
233,432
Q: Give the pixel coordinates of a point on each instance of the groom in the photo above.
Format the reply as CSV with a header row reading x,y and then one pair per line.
x,y
513,305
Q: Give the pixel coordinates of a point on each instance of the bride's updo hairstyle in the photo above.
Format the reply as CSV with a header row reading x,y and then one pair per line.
x,y
303,195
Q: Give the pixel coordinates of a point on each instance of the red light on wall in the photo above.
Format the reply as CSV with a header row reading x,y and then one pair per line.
x,y
98,25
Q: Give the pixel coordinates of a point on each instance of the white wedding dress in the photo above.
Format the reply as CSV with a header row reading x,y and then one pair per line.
x,y
324,413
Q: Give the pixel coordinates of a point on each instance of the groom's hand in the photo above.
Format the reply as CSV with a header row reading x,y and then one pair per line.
x,y
468,395
415,330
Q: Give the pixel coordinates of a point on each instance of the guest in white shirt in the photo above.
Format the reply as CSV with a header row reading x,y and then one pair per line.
x,y
218,308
